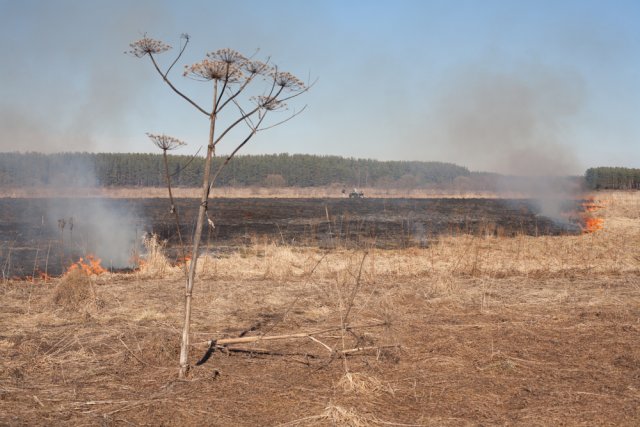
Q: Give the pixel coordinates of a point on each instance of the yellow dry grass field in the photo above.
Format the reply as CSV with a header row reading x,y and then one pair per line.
x,y
471,330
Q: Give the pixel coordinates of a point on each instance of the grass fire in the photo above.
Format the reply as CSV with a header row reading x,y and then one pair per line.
x,y
88,265
492,309
592,223
373,214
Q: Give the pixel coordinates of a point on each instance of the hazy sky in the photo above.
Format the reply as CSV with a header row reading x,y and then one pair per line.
x,y
508,86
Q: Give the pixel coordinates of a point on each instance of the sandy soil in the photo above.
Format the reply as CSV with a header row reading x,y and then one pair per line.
x,y
473,331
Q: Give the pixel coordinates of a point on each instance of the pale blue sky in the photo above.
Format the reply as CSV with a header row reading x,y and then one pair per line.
x,y
507,86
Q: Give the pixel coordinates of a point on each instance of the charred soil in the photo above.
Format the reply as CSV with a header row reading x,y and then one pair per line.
x,y
43,235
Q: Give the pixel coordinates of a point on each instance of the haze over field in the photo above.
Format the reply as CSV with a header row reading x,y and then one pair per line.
x,y
530,87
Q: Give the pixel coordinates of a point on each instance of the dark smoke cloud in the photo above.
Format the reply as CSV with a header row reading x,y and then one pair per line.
x,y
510,121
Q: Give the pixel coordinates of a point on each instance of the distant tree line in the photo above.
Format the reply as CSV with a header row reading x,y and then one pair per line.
x,y
135,169
613,178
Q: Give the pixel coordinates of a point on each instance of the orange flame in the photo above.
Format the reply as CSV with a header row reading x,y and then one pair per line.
x,y
591,224
89,266
137,261
183,260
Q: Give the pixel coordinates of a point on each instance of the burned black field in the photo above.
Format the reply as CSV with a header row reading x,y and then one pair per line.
x,y
42,235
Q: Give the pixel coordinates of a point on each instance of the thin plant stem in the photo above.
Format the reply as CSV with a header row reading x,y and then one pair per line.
x,y
174,210
184,345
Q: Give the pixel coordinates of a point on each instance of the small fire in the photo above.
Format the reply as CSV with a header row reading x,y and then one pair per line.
x,y
137,261
90,265
183,260
591,224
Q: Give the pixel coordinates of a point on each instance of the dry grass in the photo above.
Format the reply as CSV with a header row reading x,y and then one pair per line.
x,y
615,250
362,384
74,291
493,331
334,416
154,263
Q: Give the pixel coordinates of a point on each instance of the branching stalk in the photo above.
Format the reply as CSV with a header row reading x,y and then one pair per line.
x,y
168,82
225,67
174,210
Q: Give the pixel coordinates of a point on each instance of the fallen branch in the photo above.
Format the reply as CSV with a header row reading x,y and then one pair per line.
x,y
244,340
359,349
265,351
321,343
222,344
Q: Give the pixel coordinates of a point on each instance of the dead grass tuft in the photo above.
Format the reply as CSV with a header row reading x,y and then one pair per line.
x,y
74,291
154,262
362,384
333,415
339,416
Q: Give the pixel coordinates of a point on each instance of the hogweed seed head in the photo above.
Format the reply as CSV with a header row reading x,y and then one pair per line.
x,y
257,67
268,103
228,56
165,142
147,45
288,80
208,69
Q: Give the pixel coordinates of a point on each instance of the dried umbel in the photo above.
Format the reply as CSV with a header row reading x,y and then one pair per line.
x,y
288,80
257,67
228,56
208,69
146,46
165,142
269,103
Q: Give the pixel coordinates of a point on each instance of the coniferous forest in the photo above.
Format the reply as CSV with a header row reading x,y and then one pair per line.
x,y
147,170
270,170
613,178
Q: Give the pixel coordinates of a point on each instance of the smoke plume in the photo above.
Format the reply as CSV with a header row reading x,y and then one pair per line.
x,y
70,87
106,229
515,122
511,122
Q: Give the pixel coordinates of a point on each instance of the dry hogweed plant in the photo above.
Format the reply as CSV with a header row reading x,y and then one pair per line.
x,y
169,143
245,92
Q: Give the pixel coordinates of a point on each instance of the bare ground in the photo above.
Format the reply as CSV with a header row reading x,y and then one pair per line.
x,y
529,331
